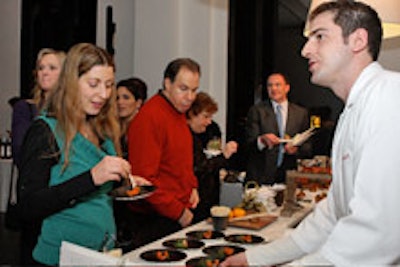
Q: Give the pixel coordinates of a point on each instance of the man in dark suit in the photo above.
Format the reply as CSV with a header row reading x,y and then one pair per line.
x,y
268,158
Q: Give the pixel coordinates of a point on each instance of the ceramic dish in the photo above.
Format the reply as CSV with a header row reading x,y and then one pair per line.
x,y
183,243
125,193
205,234
163,255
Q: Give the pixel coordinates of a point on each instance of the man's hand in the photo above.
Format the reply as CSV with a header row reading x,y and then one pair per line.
x,y
291,149
194,198
269,140
186,218
230,149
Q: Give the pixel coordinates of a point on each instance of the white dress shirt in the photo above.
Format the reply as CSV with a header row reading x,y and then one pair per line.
x,y
284,111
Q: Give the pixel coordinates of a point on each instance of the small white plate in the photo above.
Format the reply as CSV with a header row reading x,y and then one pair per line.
x,y
211,152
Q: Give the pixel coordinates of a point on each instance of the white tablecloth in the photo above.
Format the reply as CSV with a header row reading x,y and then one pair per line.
x,y
76,255
271,232
5,179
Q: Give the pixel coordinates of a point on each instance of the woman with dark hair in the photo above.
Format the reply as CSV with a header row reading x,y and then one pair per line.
x,y
131,94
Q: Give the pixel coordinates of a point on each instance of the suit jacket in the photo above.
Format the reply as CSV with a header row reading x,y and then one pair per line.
x,y
261,119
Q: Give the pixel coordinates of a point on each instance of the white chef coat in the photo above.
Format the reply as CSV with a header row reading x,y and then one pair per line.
x,y
359,222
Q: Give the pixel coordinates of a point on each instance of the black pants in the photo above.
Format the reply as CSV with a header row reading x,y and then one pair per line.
x,y
28,239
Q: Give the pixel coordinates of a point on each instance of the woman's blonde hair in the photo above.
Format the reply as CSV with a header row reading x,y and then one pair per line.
x,y
38,94
65,103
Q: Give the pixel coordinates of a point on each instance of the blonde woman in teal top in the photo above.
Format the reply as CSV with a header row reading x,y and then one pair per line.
x,y
69,160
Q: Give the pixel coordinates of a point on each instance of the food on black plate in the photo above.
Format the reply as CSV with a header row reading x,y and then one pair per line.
x,y
244,239
183,243
205,234
203,262
163,255
222,251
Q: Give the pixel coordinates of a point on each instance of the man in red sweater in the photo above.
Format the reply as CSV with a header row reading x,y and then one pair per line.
x,y
160,149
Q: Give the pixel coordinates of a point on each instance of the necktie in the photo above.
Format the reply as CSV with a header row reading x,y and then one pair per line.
x,y
279,120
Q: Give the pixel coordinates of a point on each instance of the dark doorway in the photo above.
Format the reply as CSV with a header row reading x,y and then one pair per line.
x,y
55,24
252,31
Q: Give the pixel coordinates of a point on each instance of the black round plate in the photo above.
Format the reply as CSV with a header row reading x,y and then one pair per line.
x,y
120,193
244,239
205,234
173,255
183,243
203,262
222,251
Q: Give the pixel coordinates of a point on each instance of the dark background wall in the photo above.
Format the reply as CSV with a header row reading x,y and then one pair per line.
x,y
259,45
55,24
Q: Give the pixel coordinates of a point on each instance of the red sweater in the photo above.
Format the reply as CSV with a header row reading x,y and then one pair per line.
x,y
161,150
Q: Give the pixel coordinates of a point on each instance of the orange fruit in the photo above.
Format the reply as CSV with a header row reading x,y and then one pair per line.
x,y
238,212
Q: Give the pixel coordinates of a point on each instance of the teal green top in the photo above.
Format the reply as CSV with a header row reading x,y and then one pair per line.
x,y
89,221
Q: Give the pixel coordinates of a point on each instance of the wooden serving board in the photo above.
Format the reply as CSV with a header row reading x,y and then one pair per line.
x,y
254,223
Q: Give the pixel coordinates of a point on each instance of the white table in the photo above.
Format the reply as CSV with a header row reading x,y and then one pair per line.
x,y
273,231
74,255
5,179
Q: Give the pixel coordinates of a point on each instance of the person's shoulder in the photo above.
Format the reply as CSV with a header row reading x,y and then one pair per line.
x,y
150,113
150,106
40,134
153,101
42,122
21,104
39,129
24,108
392,76
261,105
214,126
297,107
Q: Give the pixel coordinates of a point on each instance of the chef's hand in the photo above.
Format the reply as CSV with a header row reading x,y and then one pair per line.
x,y
186,218
236,260
110,168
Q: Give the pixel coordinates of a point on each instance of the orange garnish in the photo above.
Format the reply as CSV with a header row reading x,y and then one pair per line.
x,y
228,251
133,192
162,255
247,238
212,262
207,234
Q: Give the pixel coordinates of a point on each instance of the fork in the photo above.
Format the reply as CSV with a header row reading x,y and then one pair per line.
x,y
132,180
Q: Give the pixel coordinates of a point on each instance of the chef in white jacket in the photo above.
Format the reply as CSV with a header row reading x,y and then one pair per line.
x,y
358,223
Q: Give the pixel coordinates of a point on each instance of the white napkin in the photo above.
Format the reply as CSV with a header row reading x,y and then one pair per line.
x,y
299,138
